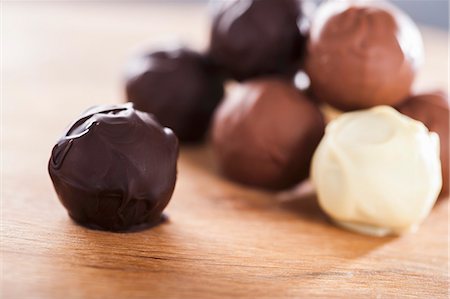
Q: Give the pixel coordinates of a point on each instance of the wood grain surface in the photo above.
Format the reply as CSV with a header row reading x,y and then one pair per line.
x,y
222,240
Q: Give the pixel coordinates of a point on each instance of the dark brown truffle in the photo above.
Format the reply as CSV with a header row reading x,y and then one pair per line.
x,y
179,86
250,38
265,133
433,110
362,55
115,168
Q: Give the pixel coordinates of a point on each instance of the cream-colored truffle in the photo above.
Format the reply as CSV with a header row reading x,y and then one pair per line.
x,y
377,171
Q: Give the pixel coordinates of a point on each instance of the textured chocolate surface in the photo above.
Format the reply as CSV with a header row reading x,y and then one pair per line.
x,y
115,168
433,110
179,86
250,38
265,133
362,55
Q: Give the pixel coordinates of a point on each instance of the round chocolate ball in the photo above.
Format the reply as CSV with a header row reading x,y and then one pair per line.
x,y
179,86
377,171
250,38
265,132
432,109
361,55
115,168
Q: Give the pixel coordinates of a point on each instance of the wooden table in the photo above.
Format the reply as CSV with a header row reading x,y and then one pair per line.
x,y
222,240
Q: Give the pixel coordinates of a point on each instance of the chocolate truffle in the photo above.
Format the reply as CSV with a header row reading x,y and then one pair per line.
x,y
377,171
115,168
179,86
432,109
250,38
265,132
362,54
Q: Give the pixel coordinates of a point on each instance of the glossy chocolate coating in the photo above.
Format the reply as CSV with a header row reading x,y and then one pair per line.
x,y
362,55
179,86
433,110
265,133
115,168
250,38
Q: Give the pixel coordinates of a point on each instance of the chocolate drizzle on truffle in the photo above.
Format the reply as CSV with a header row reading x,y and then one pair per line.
x,y
115,168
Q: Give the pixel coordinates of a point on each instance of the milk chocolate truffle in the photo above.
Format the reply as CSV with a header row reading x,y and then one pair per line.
x,y
377,171
433,110
115,168
250,38
362,54
179,86
264,134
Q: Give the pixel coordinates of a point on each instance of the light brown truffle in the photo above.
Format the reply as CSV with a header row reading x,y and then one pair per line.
x,y
265,133
362,55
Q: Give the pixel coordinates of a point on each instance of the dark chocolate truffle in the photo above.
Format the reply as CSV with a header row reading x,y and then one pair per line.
x,y
250,38
179,86
362,55
433,110
265,132
115,168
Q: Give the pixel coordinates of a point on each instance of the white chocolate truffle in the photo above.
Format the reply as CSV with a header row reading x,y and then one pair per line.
x,y
377,171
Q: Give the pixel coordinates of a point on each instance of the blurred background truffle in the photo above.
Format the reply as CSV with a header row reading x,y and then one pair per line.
x,y
179,86
265,132
362,54
433,110
250,38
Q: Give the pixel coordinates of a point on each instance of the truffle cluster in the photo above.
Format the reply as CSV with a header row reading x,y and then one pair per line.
x,y
358,55
376,170
265,131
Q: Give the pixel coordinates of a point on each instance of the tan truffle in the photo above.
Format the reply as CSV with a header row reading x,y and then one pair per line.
x,y
363,54
265,132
